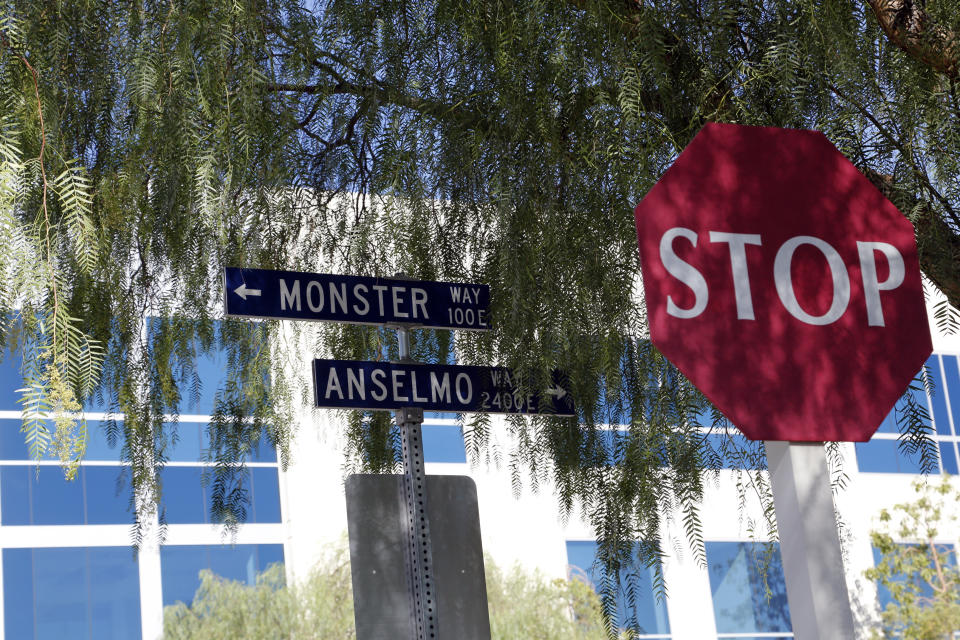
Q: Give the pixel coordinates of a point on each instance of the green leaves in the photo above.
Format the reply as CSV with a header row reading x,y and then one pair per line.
x,y
947,318
320,607
913,422
503,143
916,567
56,379
11,31
74,188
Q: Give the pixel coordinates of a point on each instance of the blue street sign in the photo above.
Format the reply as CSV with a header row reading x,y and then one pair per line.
x,y
259,293
386,386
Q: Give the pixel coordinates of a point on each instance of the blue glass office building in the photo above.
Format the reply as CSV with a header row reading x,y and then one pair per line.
x,y
741,593
69,571
68,567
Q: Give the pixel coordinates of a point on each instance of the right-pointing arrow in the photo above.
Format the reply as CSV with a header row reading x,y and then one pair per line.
x,y
557,392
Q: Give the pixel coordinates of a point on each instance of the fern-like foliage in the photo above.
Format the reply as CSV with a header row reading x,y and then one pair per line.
x,y
75,191
144,147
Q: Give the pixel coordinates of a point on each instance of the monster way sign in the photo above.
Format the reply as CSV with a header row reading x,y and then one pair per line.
x,y
260,293
787,289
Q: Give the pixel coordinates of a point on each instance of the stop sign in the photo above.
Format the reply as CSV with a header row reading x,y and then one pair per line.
x,y
783,284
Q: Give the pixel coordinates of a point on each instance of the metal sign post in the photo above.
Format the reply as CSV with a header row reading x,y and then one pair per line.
x,y
809,543
419,552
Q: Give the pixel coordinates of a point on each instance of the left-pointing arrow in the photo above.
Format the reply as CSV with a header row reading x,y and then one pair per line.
x,y
243,291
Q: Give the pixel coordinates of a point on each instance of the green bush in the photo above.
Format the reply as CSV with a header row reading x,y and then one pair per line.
x,y
522,605
923,578
320,607
525,605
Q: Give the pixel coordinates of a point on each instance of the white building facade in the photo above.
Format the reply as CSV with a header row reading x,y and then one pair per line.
x,y
68,569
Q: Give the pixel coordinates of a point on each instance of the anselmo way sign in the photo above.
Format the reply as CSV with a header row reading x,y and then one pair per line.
x,y
293,295
346,384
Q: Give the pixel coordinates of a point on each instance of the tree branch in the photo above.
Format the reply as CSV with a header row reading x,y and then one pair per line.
x,y
937,242
464,116
909,27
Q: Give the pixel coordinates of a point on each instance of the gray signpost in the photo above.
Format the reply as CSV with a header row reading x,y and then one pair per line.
x,y
407,388
417,526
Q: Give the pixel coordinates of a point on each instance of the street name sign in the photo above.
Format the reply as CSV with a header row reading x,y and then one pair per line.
x,y
385,386
293,295
783,284
409,389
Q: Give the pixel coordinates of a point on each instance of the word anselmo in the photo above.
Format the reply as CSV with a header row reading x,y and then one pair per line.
x,y
387,386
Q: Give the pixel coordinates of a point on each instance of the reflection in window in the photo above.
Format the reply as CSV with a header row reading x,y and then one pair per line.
x,y
89,593
952,372
651,614
14,447
187,500
182,498
265,483
181,566
740,575
10,380
939,397
32,495
12,443
443,443
191,443
107,495
948,457
883,456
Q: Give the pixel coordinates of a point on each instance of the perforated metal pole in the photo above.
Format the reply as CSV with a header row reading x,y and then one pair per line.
x,y
419,552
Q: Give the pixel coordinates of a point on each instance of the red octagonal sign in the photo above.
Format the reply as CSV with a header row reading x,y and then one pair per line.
x,y
783,284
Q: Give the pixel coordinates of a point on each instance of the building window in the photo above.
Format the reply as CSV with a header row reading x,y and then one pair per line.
x,y
187,498
10,379
13,446
193,443
81,592
650,613
443,443
181,566
749,592
41,495
94,593
882,454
